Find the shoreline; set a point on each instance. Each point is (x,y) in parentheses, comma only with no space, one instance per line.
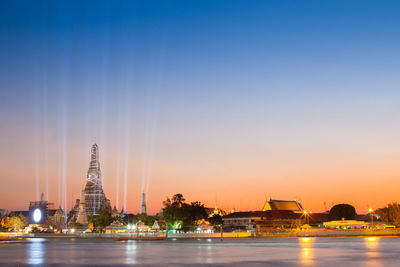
(240,235)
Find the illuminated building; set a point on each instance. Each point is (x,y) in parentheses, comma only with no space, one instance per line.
(92,196)
(39,211)
(95,198)
(346,224)
(115,227)
(159,226)
(215,211)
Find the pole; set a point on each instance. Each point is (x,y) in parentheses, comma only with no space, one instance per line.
(372,220)
(222,234)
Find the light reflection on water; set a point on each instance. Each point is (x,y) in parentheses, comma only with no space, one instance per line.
(372,253)
(130,252)
(36,251)
(306,254)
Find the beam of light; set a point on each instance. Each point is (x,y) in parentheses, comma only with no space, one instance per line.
(64,73)
(127,133)
(153,107)
(59,175)
(35,61)
(119,137)
(45,139)
(126,166)
(117,182)
(64,153)
(36,144)
(62,160)
(105,83)
(151,150)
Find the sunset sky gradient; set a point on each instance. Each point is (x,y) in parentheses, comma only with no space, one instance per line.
(227,102)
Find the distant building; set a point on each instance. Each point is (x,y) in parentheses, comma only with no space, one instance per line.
(346,224)
(250,220)
(243,218)
(143,204)
(115,227)
(142,227)
(275,214)
(159,226)
(115,212)
(215,211)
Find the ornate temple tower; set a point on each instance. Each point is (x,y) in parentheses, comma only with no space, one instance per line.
(59,219)
(94,198)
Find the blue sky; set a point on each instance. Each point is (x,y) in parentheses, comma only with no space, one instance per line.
(223,86)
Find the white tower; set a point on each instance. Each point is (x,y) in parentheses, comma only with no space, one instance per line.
(143,204)
(82,217)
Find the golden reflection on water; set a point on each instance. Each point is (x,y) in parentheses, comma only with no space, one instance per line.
(372,242)
(372,245)
(307,250)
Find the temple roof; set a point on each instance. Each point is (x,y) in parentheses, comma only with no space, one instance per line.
(275,204)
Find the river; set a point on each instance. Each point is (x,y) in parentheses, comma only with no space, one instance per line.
(338,252)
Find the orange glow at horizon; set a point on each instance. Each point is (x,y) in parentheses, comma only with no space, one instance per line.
(242,181)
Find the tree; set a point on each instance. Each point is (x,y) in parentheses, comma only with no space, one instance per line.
(101,220)
(104,219)
(146,219)
(173,212)
(76,225)
(215,220)
(390,214)
(179,214)
(16,222)
(339,211)
(195,212)
(178,200)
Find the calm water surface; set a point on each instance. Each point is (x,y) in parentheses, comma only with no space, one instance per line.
(363,251)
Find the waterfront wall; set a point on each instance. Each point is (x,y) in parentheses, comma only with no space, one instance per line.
(267,234)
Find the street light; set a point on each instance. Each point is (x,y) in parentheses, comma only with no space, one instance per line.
(370,210)
(305,215)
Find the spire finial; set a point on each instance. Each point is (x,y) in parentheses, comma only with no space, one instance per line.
(95,140)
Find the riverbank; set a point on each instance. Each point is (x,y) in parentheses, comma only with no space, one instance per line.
(331,233)
(162,236)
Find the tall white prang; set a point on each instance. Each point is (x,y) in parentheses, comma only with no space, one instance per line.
(143,204)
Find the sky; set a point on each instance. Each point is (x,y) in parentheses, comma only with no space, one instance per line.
(227,102)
